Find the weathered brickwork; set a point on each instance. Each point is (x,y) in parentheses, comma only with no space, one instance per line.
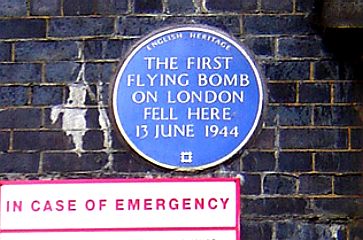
(303,174)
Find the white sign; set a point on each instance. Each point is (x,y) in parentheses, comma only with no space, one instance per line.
(131,209)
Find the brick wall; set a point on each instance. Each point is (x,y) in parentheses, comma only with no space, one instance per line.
(303,175)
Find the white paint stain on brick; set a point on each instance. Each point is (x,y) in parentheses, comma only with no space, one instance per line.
(277,147)
(74,115)
(105,124)
(334,229)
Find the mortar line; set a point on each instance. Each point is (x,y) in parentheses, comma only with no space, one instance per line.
(28,7)
(312,72)
(274,231)
(47,28)
(41,162)
(62,8)
(313,162)
(333,185)
(277,147)
(42,73)
(131,6)
(349,138)
(241,26)
(297,96)
(332,92)
(276,47)
(294,10)
(11,139)
(259,5)
(12,52)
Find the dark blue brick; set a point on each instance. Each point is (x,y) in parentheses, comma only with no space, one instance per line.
(307,231)
(5,51)
(20,73)
(339,162)
(294,70)
(135,26)
(274,206)
(344,92)
(93,140)
(339,207)
(295,162)
(350,69)
(289,116)
(81,26)
(124,162)
(104,93)
(356,230)
(313,138)
(181,6)
(11,8)
(13,96)
(264,140)
(106,49)
(71,162)
(62,72)
(47,95)
(256,230)
(78,7)
(261,46)
(4,141)
(227,23)
(277,6)
(315,184)
(111,7)
(45,7)
(232,165)
(42,140)
(22,28)
(232,5)
(305,5)
(326,70)
(117,143)
(337,116)
(300,47)
(92,118)
(47,120)
(91,100)
(148,6)
(348,92)
(19,162)
(282,93)
(20,118)
(100,72)
(279,184)
(259,161)
(314,93)
(46,51)
(348,185)
(252,184)
(276,24)
(357,138)
(91,92)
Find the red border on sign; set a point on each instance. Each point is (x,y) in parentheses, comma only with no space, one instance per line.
(117,180)
(137,180)
(120,229)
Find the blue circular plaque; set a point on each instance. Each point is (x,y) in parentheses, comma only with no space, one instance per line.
(187,97)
